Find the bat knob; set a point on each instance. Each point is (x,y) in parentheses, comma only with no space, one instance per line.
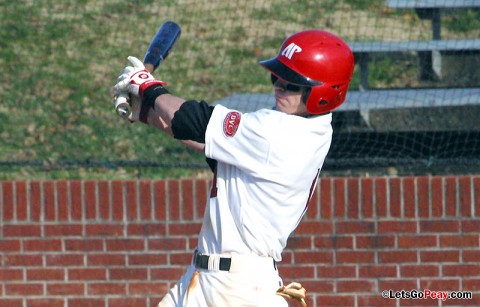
(122,107)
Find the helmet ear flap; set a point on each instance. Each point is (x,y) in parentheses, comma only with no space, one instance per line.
(322,99)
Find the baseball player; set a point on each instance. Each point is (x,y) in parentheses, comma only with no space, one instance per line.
(265,163)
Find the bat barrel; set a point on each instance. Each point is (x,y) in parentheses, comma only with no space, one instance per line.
(161,44)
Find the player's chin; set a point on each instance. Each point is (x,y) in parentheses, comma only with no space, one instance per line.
(279,106)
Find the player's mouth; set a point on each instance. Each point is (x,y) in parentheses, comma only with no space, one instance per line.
(279,98)
(280,103)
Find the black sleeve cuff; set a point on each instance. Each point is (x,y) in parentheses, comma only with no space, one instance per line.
(151,93)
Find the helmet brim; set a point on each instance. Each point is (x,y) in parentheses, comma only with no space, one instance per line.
(286,73)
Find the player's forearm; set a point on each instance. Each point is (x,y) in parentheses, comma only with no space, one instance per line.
(156,121)
(165,108)
(166,105)
(194,145)
(161,116)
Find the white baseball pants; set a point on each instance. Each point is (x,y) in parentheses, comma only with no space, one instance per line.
(251,281)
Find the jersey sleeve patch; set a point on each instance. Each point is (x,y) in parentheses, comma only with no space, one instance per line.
(231,123)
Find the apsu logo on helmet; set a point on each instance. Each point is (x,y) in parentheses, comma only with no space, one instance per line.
(231,123)
(290,50)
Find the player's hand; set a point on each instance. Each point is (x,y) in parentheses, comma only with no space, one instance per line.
(129,89)
(128,106)
(293,292)
(135,79)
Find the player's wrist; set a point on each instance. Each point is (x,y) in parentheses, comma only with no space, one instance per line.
(152,92)
(148,84)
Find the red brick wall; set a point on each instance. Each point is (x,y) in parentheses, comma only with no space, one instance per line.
(124,243)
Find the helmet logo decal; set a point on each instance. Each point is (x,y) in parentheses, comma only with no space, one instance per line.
(290,50)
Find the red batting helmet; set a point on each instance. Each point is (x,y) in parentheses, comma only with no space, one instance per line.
(319,60)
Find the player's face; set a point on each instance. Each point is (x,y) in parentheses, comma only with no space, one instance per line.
(288,97)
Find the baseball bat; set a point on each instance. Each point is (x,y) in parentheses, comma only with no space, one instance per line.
(161,44)
(158,50)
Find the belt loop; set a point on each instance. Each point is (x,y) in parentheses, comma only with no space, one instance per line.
(195,254)
(214,263)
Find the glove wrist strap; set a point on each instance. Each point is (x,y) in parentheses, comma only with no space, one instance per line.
(149,95)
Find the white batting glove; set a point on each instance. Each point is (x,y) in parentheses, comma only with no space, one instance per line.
(129,91)
(127,106)
(135,80)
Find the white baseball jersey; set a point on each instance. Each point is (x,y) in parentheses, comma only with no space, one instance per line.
(267,166)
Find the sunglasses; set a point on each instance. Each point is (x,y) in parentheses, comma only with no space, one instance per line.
(288,86)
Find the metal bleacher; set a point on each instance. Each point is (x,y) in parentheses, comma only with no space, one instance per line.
(363,50)
(429,51)
(369,108)
(368,100)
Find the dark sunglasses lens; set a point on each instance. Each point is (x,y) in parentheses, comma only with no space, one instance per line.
(293,88)
(289,87)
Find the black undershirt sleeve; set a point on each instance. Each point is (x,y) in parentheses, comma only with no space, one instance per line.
(191,120)
(190,123)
